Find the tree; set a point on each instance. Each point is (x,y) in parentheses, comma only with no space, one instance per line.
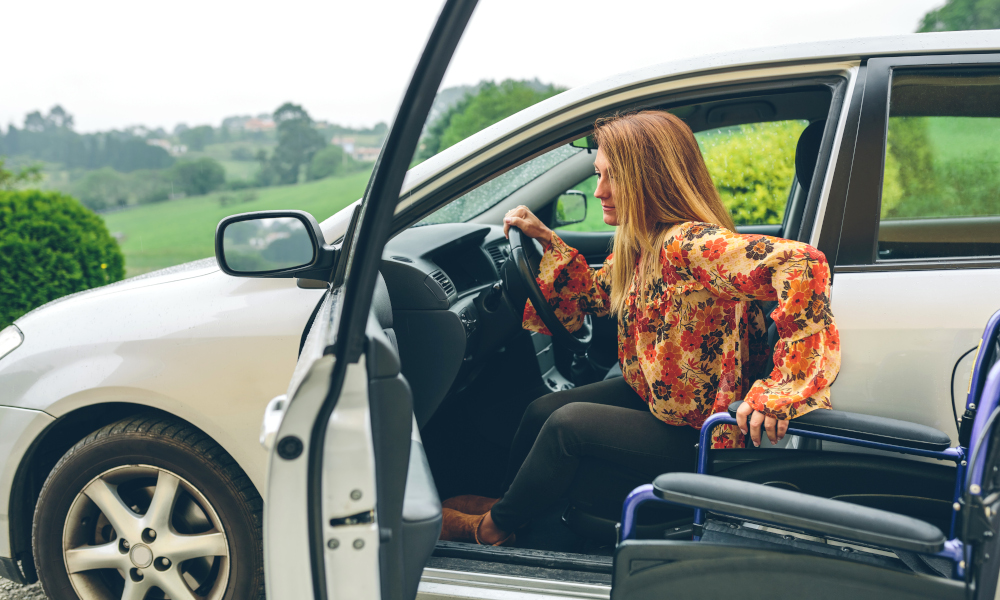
(490,104)
(961,15)
(298,141)
(102,189)
(198,177)
(51,138)
(331,161)
(50,246)
(196,138)
(10,180)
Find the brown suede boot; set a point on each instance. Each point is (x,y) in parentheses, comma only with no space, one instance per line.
(460,527)
(470,505)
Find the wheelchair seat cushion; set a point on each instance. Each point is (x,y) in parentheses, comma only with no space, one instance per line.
(869,428)
(799,511)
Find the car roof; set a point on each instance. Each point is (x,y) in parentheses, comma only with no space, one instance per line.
(818,52)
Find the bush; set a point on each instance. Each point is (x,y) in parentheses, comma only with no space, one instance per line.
(752,166)
(102,189)
(198,177)
(241,198)
(51,246)
(106,188)
(242,153)
(330,161)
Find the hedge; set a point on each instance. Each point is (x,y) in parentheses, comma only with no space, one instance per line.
(752,166)
(50,246)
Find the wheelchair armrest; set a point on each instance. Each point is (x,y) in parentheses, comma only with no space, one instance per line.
(799,511)
(867,427)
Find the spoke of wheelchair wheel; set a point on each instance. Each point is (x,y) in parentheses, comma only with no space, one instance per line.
(107,499)
(164,496)
(135,590)
(86,558)
(172,582)
(185,547)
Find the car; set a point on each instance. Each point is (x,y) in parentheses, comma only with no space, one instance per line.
(419,340)
(162,380)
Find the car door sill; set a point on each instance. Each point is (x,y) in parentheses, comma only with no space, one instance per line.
(441,584)
(545,559)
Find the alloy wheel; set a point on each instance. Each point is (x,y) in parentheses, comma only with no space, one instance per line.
(137,532)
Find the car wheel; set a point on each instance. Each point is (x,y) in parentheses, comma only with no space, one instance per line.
(149,507)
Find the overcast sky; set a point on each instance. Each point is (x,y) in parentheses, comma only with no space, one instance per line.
(115,63)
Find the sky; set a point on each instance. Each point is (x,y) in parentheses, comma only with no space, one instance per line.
(116,63)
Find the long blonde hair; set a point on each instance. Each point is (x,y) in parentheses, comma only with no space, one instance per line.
(659,179)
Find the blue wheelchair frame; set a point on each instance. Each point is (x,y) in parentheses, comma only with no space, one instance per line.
(984,394)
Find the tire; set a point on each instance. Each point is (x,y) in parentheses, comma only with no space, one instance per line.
(139,505)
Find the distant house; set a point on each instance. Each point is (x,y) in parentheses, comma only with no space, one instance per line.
(258,124)
(172,149)
(347,143)
(365,154)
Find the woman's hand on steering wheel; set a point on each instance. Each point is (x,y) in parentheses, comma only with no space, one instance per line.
(775,428)
(530,225)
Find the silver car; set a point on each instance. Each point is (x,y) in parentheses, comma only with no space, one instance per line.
(130,423)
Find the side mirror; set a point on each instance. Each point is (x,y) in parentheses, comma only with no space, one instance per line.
(274,243)
(588,143)
(571,207)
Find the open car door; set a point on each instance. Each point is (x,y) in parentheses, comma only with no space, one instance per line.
(345,457)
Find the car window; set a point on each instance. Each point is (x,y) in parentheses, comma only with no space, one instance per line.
(752,166)
(484,197)
(594,220)
(941,174)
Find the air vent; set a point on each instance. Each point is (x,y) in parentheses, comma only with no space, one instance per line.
(498,254)
(440,277)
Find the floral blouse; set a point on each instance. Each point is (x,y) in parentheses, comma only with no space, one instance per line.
(700,341)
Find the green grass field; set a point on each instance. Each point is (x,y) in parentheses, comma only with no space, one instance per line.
(958,138)
(161,235)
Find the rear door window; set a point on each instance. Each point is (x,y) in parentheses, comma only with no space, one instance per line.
(941,175)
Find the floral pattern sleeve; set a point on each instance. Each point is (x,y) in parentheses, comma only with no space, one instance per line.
(756,267)
(572,288)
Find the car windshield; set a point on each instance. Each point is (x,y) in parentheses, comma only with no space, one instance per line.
(484,197)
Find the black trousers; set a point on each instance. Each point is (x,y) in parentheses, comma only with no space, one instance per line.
(606,421)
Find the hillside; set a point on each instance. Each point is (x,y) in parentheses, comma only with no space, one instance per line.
(154,236)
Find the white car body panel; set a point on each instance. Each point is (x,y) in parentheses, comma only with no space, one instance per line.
(18,428)
(441,584)
(901,333)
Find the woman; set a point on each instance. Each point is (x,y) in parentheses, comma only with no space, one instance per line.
(682,285)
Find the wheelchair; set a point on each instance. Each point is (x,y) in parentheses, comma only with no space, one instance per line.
(762,541)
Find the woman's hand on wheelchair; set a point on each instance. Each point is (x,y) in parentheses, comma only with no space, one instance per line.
(775,428)
(530,225)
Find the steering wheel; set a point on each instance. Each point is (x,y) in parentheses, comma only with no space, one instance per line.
(526,255)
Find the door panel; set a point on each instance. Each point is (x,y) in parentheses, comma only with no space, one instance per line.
(901,333)
(363,409)
(421,523)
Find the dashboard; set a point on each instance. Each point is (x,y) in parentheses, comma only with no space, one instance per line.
(449,314)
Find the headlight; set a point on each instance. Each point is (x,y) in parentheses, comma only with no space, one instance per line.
(10,338)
